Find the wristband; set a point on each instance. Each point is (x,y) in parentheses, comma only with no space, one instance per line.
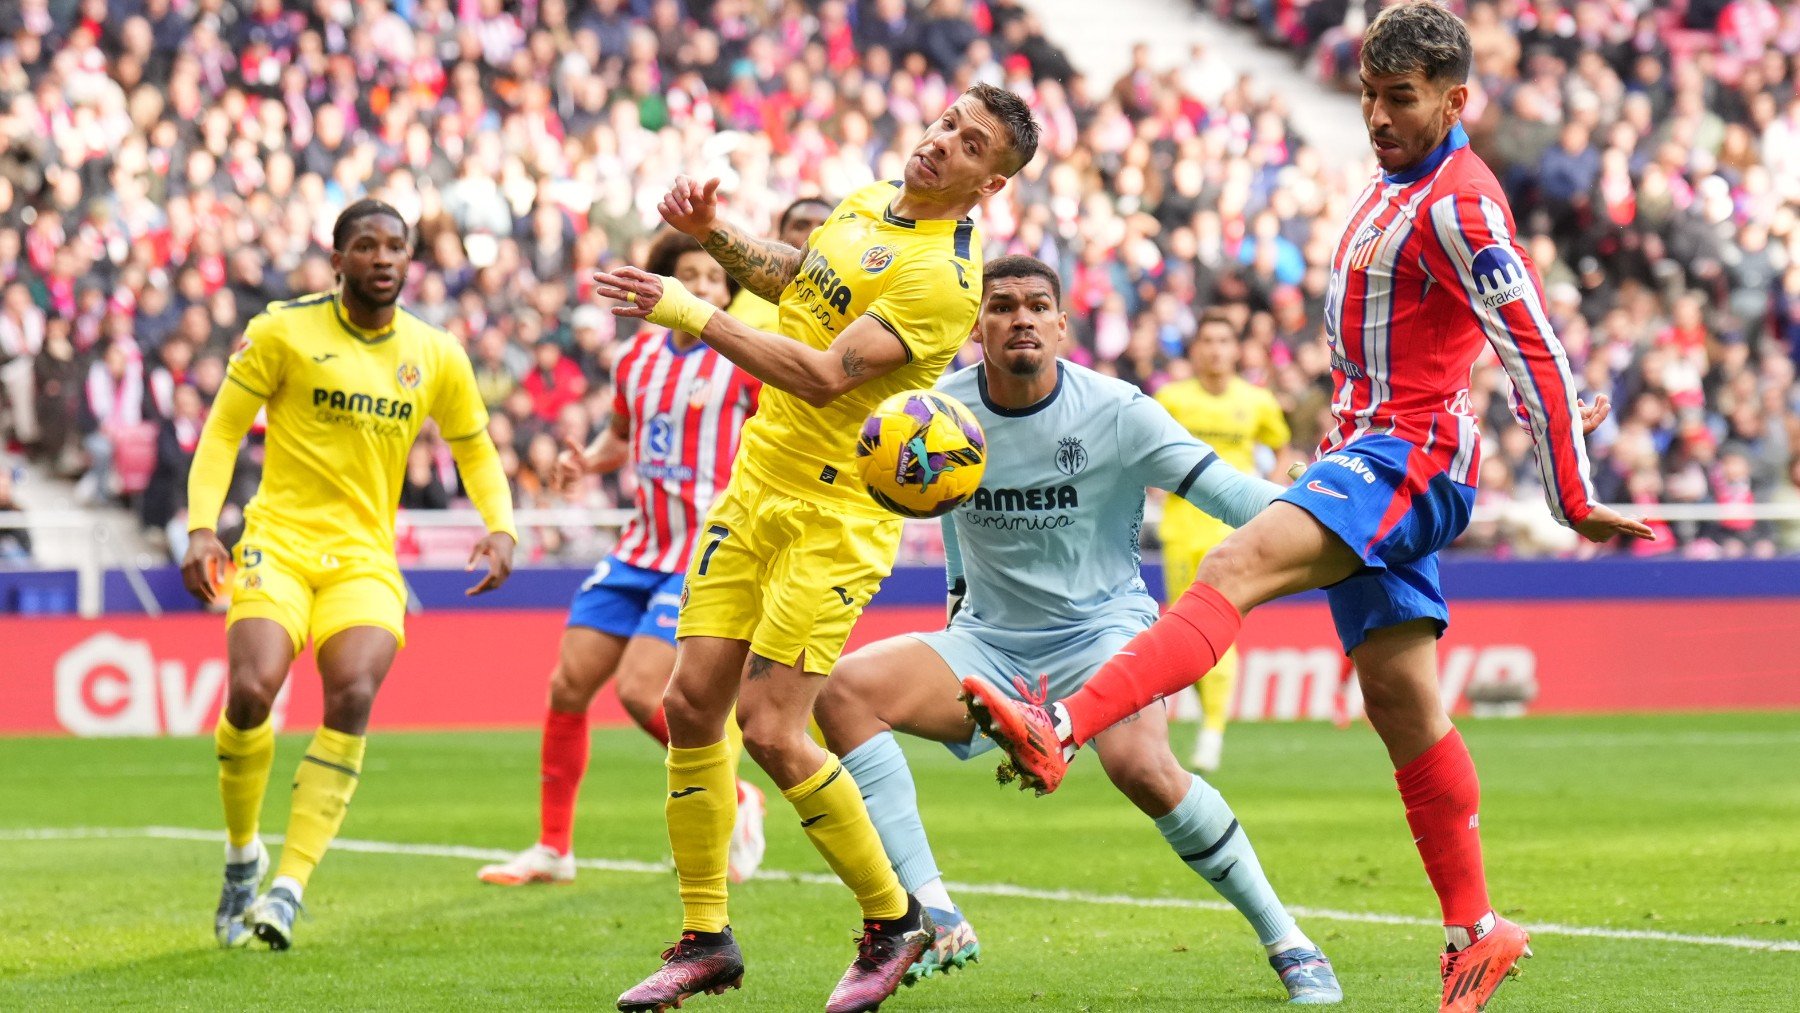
(681,310)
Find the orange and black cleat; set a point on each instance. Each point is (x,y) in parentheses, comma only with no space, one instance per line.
(1024,729)
(1472,974)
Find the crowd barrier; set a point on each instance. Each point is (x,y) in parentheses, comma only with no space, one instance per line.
(1534,637)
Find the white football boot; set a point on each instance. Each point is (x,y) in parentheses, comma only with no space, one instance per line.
(536,864)
(747,842)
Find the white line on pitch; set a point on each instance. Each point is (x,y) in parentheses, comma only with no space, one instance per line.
(983,889)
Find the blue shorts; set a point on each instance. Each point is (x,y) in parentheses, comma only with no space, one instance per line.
(1068,656)
(1395,508)
(628,601)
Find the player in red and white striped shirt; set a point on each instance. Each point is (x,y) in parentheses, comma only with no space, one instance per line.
(1427,272)
(677,409)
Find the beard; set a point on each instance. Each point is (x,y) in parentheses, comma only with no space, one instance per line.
(1024,364)
(369,298)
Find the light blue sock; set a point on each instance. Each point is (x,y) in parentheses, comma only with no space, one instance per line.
(887,788)
(1206,835)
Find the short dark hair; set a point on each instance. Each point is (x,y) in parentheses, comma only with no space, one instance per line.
(1418,35)
(1218,315)
(1017,265)
(1015,115)
(788,215)
(667,249)
(368,207)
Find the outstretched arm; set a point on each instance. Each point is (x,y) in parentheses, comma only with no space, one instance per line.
(865,349)
(763,266)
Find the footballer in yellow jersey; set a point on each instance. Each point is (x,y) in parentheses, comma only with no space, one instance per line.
(879,300)
(347,379)
(1235,417)
(793,228)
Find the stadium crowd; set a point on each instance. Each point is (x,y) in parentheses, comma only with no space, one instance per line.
(167,167)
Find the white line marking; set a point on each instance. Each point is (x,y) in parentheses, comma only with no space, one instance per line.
(815,878)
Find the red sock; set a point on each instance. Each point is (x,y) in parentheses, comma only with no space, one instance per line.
(1442,796)
(1174,652)
(658,727)
(564,760)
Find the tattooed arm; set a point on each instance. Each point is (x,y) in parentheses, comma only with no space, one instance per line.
(764,266)
(866,348)
(863,351)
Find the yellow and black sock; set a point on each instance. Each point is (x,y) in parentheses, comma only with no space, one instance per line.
(1215,691)
(834,817)
(701,810)
(245,755)
(322,788)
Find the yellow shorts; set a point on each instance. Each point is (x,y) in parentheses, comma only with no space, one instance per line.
(787,575)
(312,592)
(1181,558)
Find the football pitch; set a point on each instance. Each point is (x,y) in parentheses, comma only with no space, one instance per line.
(1657,860)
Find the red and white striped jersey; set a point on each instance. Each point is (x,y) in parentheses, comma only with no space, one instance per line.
(1427,270)
(685,410)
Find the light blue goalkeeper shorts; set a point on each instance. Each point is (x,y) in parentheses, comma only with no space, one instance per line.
(1067,656)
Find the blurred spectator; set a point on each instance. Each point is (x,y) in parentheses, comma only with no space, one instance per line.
(15,543)
(164,503)
(164,177)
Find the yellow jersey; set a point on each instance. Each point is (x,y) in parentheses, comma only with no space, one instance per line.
(754,310)
(1233,423)
(919,279)
(344,407)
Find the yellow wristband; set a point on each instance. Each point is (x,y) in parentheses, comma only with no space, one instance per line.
(681,310)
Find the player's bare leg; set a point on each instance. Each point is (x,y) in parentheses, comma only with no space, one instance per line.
(1282,551)
(585,659)
(901,685)
(1205,834)
(774,705)
(701,808)
(259,653)
(1437,781)
(352,665)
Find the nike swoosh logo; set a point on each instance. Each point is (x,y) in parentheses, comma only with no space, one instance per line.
(1220,878)
(685,792)
(815,819)
(1314,486)
(327,357)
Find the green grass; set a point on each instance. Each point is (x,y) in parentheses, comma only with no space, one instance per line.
(1682,824)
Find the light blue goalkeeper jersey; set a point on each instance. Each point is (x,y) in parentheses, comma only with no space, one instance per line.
(1050,539)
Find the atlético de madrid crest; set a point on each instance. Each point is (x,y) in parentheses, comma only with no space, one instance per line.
(1362,248)
(877,258)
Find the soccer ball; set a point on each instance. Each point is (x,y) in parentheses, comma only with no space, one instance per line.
(921,453)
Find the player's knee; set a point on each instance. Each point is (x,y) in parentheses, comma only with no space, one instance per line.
(250,693)
(770,740)
(348,703)
(1230,564)
(640,693)
(569,691)
(689,715)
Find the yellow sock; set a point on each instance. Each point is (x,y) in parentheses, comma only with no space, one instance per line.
(701,810)
(322,789)
(1215,691)
(245,755)
(833,815)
